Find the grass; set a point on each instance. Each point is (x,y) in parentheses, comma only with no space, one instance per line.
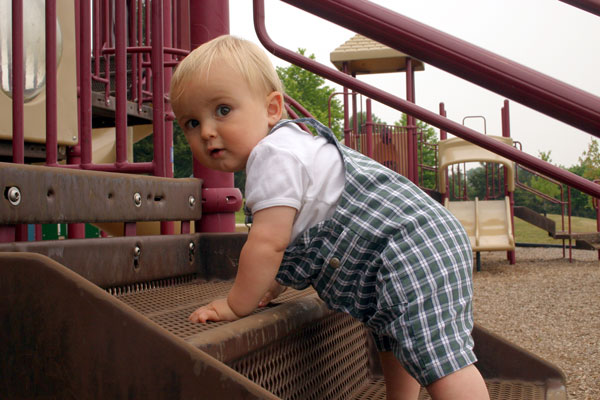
(527,233)
(240,218)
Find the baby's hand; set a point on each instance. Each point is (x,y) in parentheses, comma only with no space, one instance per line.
(274,290)
(217,310)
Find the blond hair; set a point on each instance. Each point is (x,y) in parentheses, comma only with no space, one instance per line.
(243,56)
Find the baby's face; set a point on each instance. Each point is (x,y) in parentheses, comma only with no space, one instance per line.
(223,119)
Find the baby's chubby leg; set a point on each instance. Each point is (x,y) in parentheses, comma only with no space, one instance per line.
(464,384)
(399,385)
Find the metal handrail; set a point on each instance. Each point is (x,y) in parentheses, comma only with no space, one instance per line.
(382,31)
(592,6)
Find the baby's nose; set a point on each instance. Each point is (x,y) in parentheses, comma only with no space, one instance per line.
(208,132)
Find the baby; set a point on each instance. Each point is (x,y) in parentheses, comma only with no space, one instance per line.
(369,241)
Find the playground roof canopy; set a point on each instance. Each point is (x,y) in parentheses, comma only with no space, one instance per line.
(366,56)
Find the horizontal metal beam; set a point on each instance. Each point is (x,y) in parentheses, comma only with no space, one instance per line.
(38,194)
(130,260)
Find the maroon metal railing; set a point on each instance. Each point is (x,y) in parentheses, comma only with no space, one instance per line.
(592,6)
(571,105)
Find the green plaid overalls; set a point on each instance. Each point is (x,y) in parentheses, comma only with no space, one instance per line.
(395,259)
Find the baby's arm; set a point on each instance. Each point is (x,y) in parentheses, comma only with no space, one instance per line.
(259,262)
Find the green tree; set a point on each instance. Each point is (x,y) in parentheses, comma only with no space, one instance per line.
(546,186)
(310,91)
(581,205)
(182,155)
(589,166)
(590,161)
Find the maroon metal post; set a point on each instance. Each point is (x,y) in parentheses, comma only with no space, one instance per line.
(444,136)
(85,83)
(74,154)
(597,205)
(167,227)
(19,232)
(443,133)
(511,255)
(168,43)
(161,163)
(120,82)
(347,129)
(410,124)
(18,83)
(129,229)
(133,41)
(355,126)
(51,84)
(369,126)
(570,225)
(8,232)
(204,27)
(158,104)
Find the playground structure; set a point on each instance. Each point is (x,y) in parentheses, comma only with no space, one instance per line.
(489,223)
(106,317)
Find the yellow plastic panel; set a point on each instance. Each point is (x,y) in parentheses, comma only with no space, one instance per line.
(35,109)
(487,223)
(457,150)
(464,211)
(495,225)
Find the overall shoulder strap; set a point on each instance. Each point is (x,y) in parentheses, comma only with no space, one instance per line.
(321,129)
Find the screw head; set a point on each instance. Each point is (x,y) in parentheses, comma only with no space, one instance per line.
(14,196)
(137,251)
(137,199)
(192,201)
(192,246)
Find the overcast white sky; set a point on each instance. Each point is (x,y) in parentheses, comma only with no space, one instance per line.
(547,35)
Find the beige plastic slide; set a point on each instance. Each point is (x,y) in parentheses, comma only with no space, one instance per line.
(488,223)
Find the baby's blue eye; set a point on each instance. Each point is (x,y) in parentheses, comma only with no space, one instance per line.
(192,123)
(223,110)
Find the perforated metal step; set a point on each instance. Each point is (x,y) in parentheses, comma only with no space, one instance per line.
(327,359)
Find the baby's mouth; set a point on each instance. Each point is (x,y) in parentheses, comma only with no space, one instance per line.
(215,153)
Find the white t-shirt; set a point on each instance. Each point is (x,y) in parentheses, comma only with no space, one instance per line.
(292,168)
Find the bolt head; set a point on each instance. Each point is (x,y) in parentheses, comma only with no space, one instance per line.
(192,201)
(14,196)
(137,199)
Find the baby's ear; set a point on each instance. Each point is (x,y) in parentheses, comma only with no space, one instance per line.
(274,107)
